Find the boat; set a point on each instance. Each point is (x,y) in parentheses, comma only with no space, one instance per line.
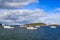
(37,26)
(31,28)
(21,26)
(53,26)
(8,27)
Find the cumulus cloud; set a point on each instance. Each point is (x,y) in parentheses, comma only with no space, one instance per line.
(53,17)
(15,3)
(22,16)
(58,9)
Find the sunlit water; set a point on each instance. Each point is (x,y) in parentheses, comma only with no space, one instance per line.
(21,33)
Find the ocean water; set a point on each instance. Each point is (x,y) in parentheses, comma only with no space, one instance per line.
(20,33)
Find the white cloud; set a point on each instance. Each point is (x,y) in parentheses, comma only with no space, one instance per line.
(23,16)
(58,9)
(16,3)
(53,17)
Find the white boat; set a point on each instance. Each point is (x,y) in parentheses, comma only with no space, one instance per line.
(21,26)
(37,26)
(8,27)
(53,26)
(31,28)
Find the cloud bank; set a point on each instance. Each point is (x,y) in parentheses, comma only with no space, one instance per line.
(54,17)
(24,16)
(8,4)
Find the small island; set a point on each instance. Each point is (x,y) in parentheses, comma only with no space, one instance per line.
(53,25)
(35,24)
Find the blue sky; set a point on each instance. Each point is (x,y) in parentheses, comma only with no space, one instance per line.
(28,11)
(47,5)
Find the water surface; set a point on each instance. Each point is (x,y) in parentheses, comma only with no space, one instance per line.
(20,33)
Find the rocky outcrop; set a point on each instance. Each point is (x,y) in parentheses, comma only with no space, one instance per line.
(1,25)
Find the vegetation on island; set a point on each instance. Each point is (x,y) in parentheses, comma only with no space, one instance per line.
(53,24)
(35,24)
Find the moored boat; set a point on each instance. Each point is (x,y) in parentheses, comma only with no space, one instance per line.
(31,28)
(37,26)
(53,26)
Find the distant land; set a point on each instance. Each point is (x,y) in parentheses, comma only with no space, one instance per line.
(39,24)
(33,24)
(53,24)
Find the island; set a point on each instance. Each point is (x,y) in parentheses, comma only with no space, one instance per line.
(35,24)
(53,25)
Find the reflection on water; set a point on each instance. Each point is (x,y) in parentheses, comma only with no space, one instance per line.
(20,33)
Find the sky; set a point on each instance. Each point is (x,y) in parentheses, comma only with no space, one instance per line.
(16,12)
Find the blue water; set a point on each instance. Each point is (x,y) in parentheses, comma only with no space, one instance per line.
(20,33)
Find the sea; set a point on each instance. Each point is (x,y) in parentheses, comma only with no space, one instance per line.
(21,33)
